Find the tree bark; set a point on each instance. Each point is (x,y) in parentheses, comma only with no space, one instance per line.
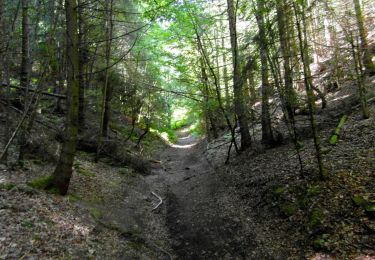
(107,92)
(267,135)
(24,74)
(304,52)
(63,171)
(82,64)
(365,51)
(207,109)
(239,106)
(283,24)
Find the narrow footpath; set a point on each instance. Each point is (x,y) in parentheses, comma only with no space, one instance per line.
(196,219)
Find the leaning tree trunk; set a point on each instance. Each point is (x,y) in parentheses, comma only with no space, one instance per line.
(61,177)
(239,106)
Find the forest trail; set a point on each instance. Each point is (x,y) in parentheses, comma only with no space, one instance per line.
(196,219)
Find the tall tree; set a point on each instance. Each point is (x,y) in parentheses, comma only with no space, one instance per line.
(267,135)
(283,24)
(82,62)
(107,90)
(299,9)
(239,105)
(366,53)
(61,176)
(24,73)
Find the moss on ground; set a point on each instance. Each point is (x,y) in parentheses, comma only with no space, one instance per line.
(7,186)
(95,212)
(84,171)
(317,217)
(40,183)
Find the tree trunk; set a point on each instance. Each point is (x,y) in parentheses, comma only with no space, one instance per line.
(225,77)
(365,51)
(239,106)
(208,111)
(360,78)
(304,52)
(2,40)
(267,135)
(283,17)
(63,172)
(217,90)
(107,92)
(82,64)
(24,74)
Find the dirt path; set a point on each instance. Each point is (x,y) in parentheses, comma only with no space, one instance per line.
(196,217)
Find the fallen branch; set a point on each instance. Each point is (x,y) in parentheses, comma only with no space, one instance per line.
(335,136)
(161,250)
(155,161)
(160,200)
(35,90)
(22,120)
(36,120)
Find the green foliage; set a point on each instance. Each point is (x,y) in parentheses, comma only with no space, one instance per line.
(314,190)
(96,213)
(27,224)
(83,171)
(41,183)
(171,135)
(74,197)
(321,243)
(279,191)
(7,186)
(365,203)
(317,217)
(289,209)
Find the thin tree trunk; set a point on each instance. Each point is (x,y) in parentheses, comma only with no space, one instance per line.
(304,52)
(24,74)
(239,106)
(2,41)
(63,171)
(207,108)
(107,85)
(360,79)
(267,135)
(107,92)
(225,76)
(232,129)
(283,16)
(82,64)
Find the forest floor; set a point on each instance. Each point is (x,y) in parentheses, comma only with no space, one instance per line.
(258,207)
